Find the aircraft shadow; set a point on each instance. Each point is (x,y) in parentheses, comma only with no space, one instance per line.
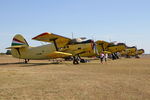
(29,64)
(38,64)
(11,63)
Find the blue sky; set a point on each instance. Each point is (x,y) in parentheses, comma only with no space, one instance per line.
(111,20)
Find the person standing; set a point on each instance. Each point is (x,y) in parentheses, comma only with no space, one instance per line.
(102,57)
(106,56)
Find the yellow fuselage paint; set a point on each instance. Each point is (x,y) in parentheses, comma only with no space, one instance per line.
(35,53)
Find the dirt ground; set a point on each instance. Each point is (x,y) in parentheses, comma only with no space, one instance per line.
(123,79)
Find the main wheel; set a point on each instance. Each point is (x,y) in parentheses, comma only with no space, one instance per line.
(75,60)
(26,61)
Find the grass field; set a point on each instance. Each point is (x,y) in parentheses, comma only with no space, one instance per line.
(123,79)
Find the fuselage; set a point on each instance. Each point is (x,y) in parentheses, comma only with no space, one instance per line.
(43,52)
(34,53)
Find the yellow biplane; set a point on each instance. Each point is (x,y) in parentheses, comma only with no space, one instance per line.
(104,47)
(132,52)
(140,51)
(58,47)
(110,48)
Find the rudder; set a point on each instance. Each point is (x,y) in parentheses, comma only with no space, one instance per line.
(19,40)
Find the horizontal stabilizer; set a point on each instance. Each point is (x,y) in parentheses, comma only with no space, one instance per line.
(57,54)
(14,47)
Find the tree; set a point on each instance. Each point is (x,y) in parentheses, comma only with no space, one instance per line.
(8,52)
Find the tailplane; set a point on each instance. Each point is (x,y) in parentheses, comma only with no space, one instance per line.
(18,45)
(18,42)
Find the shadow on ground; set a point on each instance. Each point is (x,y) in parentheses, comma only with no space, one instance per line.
(29,64)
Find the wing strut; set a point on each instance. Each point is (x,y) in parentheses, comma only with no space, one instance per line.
(103,47)
(54,40)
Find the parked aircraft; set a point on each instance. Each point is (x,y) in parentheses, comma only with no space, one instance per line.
(104,47)
(110,48)
(132,52)
(140,51)
(59,47)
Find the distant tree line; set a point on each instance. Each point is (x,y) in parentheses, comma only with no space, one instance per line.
(8,52)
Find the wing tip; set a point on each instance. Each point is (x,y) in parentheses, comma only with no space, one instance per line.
(45,33)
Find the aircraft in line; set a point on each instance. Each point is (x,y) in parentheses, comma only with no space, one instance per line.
(110,48)
(104,47)
(58,47)
(132,52)
(63,47)
(140,51)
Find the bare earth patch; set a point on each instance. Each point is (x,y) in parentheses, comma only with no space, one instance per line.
(123,79)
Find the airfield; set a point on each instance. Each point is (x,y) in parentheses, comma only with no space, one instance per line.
(123,79)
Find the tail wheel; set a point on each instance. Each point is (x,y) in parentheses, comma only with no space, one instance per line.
(26,61)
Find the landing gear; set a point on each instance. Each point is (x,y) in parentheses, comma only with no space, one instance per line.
(75,60)
(26,61)
(136,56)
(115,56)
(80,59)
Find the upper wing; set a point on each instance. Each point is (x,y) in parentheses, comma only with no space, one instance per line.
(103,44)
(49,37)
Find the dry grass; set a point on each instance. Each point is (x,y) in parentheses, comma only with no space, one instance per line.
(124,79)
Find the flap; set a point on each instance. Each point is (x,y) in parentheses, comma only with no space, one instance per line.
(50,37)
(57,54)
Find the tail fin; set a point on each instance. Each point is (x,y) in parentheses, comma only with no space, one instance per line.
(19,40)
